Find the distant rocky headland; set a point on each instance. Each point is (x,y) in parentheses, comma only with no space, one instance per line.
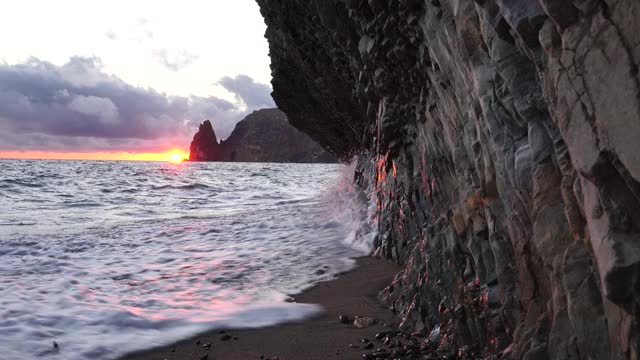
(263,136)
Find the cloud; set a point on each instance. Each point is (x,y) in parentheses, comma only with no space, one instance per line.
(174,62)
(93,106)
(79,107)
(252,94)
(111,35)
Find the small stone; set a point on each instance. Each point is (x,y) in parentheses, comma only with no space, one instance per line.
(197,342)
(368,346)
(380,335)
(55,345)
(354,346)
(344,319)
(364,340)
(235,338)
(225,337)
(363,322)
(320,272)
(173,350)
(207,346)
(204,357)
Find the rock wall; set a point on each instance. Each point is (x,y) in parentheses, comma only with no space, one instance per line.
(263,136)
(498,138)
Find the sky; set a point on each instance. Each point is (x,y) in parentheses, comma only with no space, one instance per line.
(136,76)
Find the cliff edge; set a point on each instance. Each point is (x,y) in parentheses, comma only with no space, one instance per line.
(499,140)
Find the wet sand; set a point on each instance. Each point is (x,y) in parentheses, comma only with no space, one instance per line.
(324,337)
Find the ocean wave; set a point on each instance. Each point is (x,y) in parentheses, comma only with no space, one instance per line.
(18,223)
(21,182)
(109,256)
(81,203)
(194,186)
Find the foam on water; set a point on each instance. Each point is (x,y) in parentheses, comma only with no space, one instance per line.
(109,257)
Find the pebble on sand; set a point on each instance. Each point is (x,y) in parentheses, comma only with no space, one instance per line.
(363,322)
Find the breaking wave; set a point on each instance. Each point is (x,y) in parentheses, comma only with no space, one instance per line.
(93,254)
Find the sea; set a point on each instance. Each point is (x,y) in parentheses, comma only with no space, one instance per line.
(109,257)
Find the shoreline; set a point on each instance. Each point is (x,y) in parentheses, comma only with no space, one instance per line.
(322,337)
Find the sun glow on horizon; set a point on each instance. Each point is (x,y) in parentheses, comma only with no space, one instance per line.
(174,155)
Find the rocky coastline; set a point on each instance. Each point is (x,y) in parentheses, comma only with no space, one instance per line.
(498,139)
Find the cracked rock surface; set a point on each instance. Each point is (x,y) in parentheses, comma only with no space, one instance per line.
(500,140)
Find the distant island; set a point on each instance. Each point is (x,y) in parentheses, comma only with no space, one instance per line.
(263,136)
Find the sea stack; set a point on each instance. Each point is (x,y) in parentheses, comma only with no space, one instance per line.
(204,146)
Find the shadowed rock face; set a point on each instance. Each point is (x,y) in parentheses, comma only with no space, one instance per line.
(204,146)
(263,136)
(499,139)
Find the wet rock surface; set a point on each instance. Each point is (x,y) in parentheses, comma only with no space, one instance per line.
(498,138)
(263,136)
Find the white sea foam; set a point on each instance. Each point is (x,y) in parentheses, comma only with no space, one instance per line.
(110,257)
(352,208)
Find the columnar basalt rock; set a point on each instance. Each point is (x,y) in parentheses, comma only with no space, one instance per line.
(499,140)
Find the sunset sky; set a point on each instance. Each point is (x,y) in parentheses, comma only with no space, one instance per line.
(122,78)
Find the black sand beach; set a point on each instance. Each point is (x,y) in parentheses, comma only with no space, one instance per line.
(324,337)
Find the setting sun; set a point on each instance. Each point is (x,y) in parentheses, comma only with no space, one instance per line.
(177,157)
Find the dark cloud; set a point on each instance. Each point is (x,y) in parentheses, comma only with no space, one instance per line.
(251,93)
(79,107)
(173,62)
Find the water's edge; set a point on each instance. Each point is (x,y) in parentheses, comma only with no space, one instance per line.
(93,254)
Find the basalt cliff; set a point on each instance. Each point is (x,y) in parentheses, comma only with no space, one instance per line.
(263,136)
(499,139)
